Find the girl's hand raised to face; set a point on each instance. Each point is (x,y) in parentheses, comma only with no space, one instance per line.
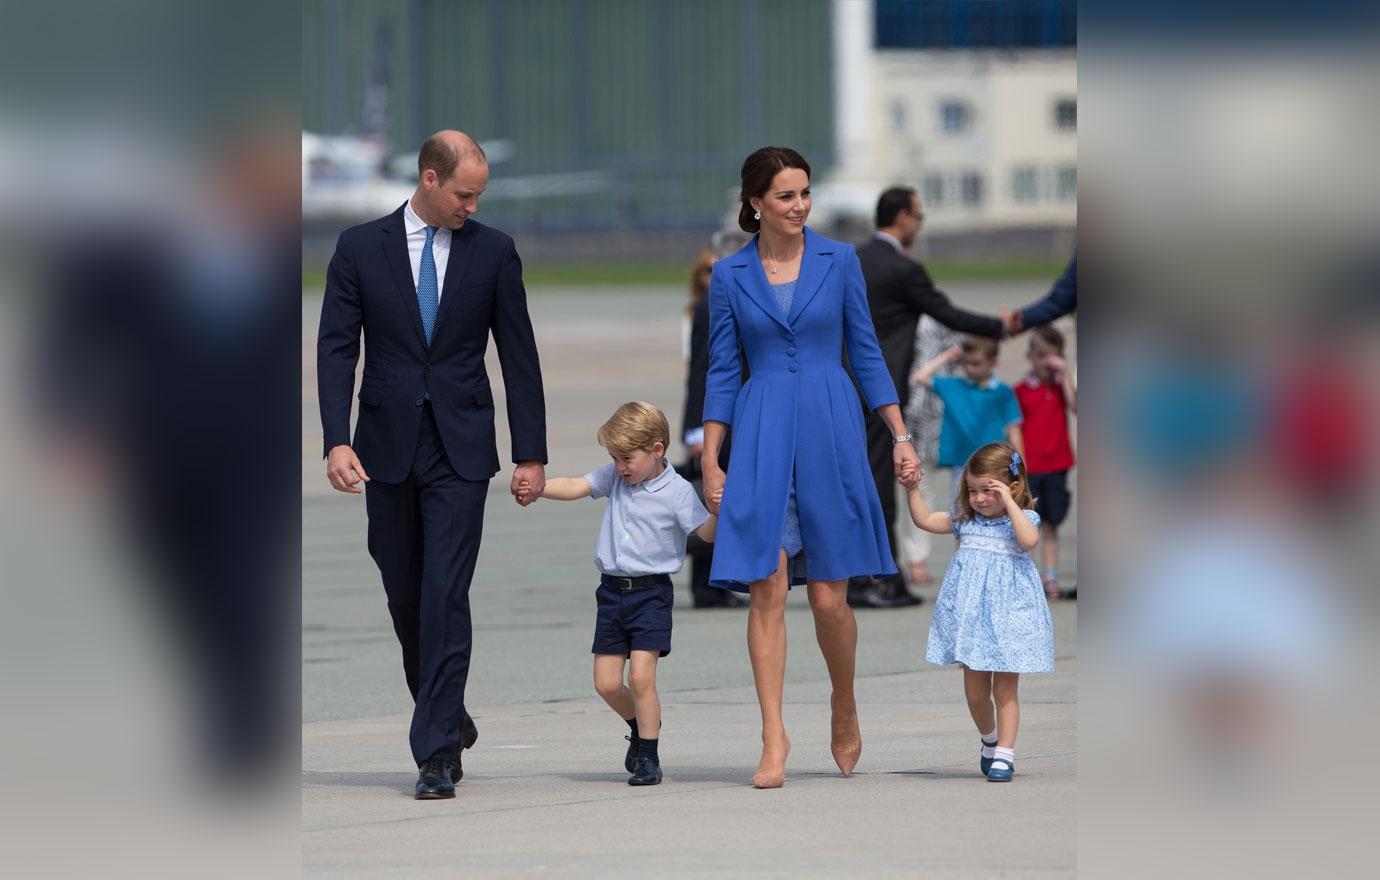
(1001,489)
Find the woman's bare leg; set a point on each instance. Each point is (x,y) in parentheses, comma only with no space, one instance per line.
(766,637)
(837,634)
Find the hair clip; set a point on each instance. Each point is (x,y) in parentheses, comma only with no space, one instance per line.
(1015,465)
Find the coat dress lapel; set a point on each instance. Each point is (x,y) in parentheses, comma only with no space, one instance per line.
(747,271)
(815,264)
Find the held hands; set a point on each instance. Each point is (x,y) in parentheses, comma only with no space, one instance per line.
(529,479)
(1012,322)
(907,464)
(344,470)
(713,488)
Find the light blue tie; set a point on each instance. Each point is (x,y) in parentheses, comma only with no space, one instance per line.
(427,294)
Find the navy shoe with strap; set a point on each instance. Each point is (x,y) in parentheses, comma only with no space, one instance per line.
(1001,770)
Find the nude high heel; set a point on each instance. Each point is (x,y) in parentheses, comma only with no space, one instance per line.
(845,741)
(774,776)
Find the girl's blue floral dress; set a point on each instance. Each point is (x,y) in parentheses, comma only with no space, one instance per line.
(991,614)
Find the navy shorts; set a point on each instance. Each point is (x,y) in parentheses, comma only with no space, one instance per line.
(637,619)
(1051,493)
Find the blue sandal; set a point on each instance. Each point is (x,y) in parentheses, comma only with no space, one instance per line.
(1001,770)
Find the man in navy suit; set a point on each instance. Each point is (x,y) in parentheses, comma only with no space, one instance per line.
(427,285)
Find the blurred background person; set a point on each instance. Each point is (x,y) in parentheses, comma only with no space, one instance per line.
(701,552)
(1047,395)
(899,292)
(924,415)
(153,331)
(978,407)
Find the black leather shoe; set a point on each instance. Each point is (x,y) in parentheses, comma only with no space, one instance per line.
(434,781)
(468,734)
(894,590)
(645,772)
(866,594)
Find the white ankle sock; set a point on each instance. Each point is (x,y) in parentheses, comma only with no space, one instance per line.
(1003,754)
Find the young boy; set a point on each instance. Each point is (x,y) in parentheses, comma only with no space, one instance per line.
(1046,395)
(651,513)
(978,408)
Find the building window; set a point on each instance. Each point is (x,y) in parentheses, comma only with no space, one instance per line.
(972,188)
(974,24)
(1066,114)
(934,189)
(1066,183)
(898,116)
(1025,184)
(954,117)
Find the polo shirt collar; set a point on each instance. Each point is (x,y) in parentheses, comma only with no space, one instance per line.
(661,480)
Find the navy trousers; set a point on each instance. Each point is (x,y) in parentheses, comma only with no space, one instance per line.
(424,535)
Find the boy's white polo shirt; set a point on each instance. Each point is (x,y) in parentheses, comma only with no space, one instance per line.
(645,527)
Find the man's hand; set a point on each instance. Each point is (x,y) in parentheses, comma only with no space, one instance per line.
(344,470)
(529,479)
(1012,322)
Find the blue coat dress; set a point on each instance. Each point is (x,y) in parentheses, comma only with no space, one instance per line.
(797,418)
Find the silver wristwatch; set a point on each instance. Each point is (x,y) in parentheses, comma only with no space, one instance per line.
(903,438)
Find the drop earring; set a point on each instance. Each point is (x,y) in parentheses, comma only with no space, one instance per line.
(757,215)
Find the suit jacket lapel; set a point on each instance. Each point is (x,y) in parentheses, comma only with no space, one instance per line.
(815,263)
(460,249)
(747,269)
(395,249)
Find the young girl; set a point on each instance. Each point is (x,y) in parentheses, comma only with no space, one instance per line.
(991,615)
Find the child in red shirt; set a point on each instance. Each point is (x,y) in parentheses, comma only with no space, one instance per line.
(1046,395)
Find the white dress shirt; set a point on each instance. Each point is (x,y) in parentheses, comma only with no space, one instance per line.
(416,241)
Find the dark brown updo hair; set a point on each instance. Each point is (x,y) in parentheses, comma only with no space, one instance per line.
(759,170)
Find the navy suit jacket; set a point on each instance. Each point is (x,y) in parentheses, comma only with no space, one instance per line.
(369,288)
(1062,299)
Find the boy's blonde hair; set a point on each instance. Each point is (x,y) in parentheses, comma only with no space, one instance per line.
(633,426)
(994,462)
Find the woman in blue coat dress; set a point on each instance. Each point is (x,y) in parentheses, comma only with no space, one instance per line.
(799,502)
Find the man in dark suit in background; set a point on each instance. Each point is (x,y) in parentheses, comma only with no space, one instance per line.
(899,291)
(701,553)
(427,285)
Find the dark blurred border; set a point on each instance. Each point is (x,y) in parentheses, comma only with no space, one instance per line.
(150,227)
